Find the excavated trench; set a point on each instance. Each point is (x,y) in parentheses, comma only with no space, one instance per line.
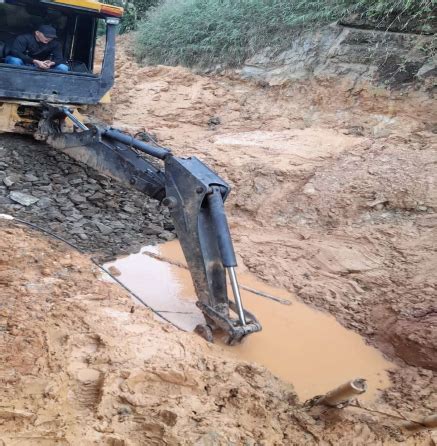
(307,348)
(303,346)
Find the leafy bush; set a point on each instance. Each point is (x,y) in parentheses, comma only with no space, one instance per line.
(206,32)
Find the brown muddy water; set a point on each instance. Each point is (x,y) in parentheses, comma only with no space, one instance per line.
(302,346)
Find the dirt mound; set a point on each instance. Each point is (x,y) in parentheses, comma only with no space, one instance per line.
(80,363)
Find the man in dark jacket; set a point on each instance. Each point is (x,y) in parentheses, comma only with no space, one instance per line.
(40,49)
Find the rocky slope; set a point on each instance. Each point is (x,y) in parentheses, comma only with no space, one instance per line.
(93,212)
(396,60)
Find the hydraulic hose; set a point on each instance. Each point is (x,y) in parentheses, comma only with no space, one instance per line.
(156,152)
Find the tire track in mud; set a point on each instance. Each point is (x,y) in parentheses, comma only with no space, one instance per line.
(89,382)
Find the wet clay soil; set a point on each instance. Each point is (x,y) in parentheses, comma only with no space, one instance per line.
(334,199)
(80,367)
(302,346)
(334,194)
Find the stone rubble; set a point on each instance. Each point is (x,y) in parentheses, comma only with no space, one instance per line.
(91,211)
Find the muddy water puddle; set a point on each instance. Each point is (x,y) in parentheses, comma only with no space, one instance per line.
(303,346)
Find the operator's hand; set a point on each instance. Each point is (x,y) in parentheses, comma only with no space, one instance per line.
(41,64)
(49,63)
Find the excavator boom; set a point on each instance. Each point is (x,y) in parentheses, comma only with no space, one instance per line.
(193,193)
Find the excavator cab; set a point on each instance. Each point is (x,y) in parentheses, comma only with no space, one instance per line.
(44,103)
(78,24)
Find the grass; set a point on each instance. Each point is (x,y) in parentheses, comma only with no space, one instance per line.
(227,32)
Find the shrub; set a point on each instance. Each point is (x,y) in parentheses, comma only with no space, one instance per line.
(208,32)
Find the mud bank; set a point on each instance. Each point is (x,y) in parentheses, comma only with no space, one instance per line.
(80,365)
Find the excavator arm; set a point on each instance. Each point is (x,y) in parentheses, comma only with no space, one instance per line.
(195,196)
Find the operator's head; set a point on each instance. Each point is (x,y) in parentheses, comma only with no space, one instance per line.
(45,34)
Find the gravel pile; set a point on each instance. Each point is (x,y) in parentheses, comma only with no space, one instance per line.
(45,187)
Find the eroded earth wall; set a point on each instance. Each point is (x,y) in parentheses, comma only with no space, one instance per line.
(389,59)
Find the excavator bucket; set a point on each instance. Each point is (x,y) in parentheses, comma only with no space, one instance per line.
(195,196)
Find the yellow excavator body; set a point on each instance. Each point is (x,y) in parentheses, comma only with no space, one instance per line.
(78,22)
(92,5)
(20,117)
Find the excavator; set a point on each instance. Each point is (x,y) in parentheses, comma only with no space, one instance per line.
(49,105)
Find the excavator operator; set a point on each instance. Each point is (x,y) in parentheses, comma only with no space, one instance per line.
(40,49)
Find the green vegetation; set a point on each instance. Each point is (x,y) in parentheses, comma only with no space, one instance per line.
(208,32)
(134,12)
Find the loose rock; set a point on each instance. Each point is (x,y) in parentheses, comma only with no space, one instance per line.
(24,199)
